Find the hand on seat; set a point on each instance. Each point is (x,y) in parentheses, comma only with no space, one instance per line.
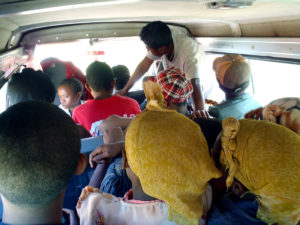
(105,152)
(255,114)
(199,114)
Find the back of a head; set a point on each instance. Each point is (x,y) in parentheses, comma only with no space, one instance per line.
(30,85)
(99,76)
(232,72)
(73,83)
(39,151)
(55,69)
(169,154)
(176,88)
(121,75)
(265,158)
(156,34)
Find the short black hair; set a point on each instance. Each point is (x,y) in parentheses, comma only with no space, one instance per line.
(211,128)
(30,85)
(121,75)
(39,152)
(99,76)
(156,34)
(73,83)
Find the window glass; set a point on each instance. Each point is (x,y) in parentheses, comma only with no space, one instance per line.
(273,80)
(269,81)
(125,51)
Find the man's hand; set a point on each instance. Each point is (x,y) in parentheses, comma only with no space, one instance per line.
(114,121)
(255,114)
(199,114)
(122,92)
(105,151)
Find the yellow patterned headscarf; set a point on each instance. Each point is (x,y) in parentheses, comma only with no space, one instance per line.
(169,154)
(153,95)
(265,158)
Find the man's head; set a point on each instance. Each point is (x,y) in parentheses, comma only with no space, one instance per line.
(99,76)
(121,75)
(156,36)
(233,73)
(30,85)
(39,152)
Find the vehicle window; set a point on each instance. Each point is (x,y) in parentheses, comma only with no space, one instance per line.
(269,81)
(125,51)
(273,80)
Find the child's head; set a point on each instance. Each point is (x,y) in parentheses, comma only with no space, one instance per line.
(39,152)
(233,73)
(155,35)
(30,85)
(99,77)
(121,75)
(69,92)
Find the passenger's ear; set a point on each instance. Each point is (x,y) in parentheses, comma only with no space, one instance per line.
(79,94)
(82,163)
(162,50)
(87,87)
(112,84)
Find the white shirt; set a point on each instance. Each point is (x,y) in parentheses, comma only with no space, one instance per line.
(106,209)
(68,110)
(95,208)
(190,59)
(188,55)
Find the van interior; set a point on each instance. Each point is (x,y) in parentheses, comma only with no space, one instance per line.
(265,32)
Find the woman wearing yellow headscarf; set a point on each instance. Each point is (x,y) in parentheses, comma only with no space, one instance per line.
(265,158)
(169,154)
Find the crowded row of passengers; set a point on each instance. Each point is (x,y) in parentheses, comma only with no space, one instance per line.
(180,171)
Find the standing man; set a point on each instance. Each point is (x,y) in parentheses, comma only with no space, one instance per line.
(173,48)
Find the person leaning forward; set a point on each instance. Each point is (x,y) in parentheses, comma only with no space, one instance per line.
(174,49)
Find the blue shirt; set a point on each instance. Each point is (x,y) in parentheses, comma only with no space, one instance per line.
(236,107)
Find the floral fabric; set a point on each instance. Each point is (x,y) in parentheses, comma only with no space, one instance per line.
(284,111)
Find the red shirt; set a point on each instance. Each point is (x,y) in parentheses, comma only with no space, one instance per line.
(91,113)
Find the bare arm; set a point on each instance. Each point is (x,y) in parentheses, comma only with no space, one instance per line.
(141,69)
(98,174)
(197,95)
(114,121)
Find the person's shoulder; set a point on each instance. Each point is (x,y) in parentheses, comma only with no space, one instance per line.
(92,196)
(125,99)
(84,106)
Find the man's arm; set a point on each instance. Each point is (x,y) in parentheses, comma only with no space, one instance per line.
(197,95)
(114,121)
(141,69)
